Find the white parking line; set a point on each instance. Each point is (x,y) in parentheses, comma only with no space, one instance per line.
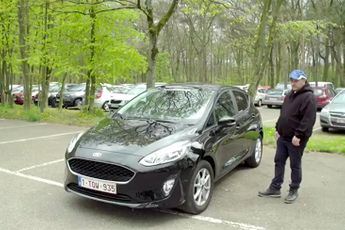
(23,126)
(38,138)
(40,165)
(270,120)
(317,129)
(216,221)
(196,217)
(50,182)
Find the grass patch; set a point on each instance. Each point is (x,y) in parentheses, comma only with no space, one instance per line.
(319,142)
(51,115)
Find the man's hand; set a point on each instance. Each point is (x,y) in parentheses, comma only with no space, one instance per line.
(295,141)
(277,136)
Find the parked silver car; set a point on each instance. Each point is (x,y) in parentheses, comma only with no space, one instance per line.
(275,97)
(333,114)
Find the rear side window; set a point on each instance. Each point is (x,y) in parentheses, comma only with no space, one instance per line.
(241,100)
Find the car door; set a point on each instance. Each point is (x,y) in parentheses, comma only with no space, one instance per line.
(244,119)
(222,143)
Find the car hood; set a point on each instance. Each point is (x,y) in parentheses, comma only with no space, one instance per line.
(134,137)
(336,107)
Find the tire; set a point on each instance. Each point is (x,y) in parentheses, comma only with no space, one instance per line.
(53,103)
(202,170)
(255,158)
(105,106)
(269,106)
(259,103)
(324,129)
(78,102)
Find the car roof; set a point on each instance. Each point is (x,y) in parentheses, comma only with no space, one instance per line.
(214,87)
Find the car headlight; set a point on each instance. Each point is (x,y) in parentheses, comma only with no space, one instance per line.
(73,142)
(324,112)
(171,153)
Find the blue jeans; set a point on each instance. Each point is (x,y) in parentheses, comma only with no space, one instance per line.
(285,150)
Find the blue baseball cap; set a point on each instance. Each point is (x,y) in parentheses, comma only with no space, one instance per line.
(297,75)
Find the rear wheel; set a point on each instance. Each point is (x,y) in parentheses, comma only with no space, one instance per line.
(254,160)
(269,106)
(53,103)
(324,129)
(78,102)
(200,189)
(105,106)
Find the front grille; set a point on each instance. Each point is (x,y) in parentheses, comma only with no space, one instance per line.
(100,170)
(337,115)
(336,123)
(100,195)
(115,101)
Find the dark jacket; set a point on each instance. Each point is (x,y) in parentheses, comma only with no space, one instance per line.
(297,115)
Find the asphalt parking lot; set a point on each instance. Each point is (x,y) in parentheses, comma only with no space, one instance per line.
(32,195)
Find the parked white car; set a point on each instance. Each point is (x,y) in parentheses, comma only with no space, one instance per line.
(104,94)
(121,99)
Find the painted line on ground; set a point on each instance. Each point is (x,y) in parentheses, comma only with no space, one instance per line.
(39,179)
(215,220)
(38,138)
(40,165)
(270,120)
(23,126)
(196,217)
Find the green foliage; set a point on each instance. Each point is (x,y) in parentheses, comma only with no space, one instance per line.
(318,142)
(296,30)
(67,117)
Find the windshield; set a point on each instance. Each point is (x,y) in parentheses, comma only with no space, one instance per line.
(275,92)
(75,88)
(185,105)
(340,98)
(318,92)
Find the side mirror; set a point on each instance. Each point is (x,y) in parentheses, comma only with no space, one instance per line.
(197,147)
(227,121)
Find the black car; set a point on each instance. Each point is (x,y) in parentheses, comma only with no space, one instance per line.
(74,95)
(166,148)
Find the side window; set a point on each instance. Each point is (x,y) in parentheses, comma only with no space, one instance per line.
(224,106)
(241,100)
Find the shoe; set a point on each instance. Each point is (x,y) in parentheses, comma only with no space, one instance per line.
(270,193)
(291,197)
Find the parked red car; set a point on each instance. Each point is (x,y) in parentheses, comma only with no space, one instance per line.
(323,96)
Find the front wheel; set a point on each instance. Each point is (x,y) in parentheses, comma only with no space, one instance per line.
(259,103)
(324,129)
(200,189)
(254,160)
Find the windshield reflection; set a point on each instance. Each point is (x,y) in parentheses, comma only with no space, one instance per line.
(186,105)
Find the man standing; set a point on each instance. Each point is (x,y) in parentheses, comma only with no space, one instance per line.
(293,129)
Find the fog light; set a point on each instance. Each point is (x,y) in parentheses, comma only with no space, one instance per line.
(167,186)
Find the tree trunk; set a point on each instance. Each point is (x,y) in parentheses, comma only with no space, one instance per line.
(153,31)
(46,69)
(23,20)
(91,83)
(62,91)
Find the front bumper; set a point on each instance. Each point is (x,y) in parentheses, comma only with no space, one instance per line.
(334,123)
(143,190)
